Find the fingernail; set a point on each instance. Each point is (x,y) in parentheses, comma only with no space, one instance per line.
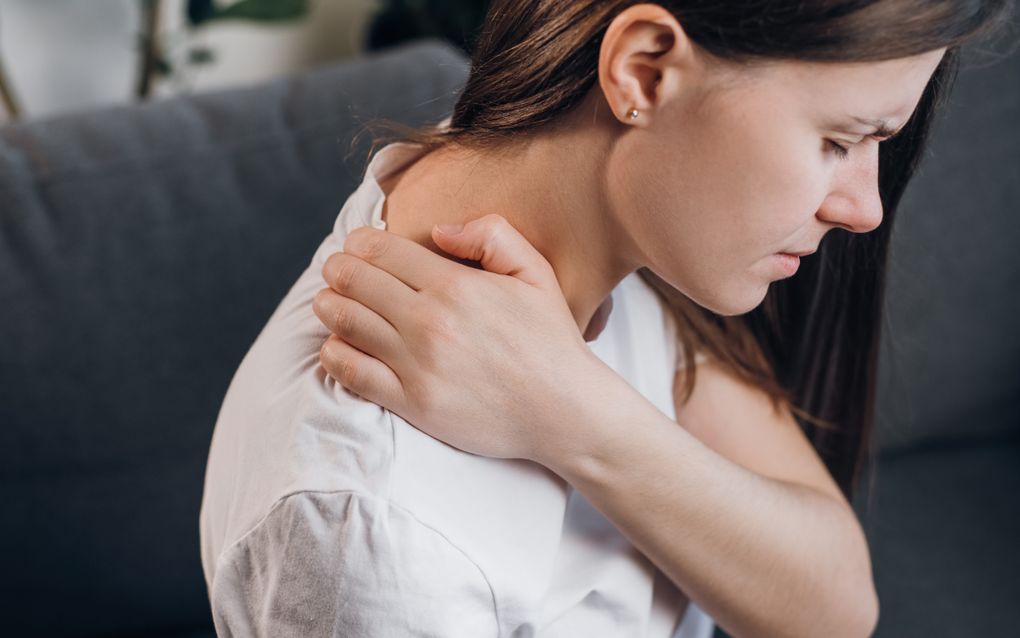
(450,229)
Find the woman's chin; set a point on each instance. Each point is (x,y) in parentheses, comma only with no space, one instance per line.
(739,303)
(724,298)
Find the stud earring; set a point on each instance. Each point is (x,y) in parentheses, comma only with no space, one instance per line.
(633,113)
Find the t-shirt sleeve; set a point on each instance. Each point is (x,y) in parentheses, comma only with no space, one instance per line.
(347,564)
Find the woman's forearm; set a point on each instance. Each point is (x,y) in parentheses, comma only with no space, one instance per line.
(762,557)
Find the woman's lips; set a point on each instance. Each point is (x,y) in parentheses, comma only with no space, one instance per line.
(787,263)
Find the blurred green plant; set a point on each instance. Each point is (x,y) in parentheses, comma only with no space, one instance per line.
(202,11)
(7,98)
(457,21)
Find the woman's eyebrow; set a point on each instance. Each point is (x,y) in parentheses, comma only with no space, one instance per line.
(881,127)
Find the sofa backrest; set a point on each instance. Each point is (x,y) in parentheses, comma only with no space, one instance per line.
(142,249)
(950,357)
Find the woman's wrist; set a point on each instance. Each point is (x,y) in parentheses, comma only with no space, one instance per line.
(598,413)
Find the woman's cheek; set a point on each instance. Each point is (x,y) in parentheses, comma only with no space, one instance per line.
(655,206)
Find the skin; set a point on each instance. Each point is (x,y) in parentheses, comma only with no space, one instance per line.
(723,167)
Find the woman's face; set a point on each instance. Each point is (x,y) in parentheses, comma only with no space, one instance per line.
(716,182)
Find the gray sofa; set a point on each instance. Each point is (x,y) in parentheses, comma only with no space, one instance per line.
(143,247)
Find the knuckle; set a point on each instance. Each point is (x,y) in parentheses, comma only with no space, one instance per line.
(456,286)
(491,242)
(495,220)
(343,320)
(348,371)
(366,242)
(374,246)
(497,226)
(329,266)
(328,355)
(353,235)
(438,326)
(426,398)
(321,301)
(342,368)
(344,275)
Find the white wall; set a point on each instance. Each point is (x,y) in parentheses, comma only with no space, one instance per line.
(64,55)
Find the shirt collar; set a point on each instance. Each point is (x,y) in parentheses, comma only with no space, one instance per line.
(364,206)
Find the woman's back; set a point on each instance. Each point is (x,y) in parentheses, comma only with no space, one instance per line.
(323,510)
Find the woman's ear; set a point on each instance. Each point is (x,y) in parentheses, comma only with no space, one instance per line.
(643,53)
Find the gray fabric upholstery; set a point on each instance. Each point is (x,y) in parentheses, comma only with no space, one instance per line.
(945,516)
(142,248)
(950,362)
(943,534)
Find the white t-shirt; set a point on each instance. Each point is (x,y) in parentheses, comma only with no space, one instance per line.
(326,515)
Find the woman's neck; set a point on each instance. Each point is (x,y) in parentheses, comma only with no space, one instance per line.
(552,190)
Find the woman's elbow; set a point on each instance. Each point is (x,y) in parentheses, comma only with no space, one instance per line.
(870,614)
(858,609)
(857,620)
(862,617)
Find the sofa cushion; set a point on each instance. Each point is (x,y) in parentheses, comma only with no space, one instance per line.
(943,528)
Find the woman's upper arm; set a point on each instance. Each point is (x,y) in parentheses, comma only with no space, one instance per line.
(348,564)
(738,422)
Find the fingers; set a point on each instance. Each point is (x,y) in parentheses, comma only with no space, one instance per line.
(500,248)
(358,326)
(405,259)
(372,287)
(363,375)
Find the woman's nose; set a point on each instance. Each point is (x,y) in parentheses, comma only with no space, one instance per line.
(854,202)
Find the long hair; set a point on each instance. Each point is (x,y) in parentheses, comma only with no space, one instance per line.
(812,344)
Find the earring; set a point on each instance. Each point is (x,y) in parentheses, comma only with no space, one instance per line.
(633,113)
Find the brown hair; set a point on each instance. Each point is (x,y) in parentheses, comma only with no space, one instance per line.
(812,344)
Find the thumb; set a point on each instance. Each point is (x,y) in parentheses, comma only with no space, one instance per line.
(499,247)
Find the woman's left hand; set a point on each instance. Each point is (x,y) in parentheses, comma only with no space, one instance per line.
(489,361)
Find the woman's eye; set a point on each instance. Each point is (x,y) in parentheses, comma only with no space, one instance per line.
(842,152)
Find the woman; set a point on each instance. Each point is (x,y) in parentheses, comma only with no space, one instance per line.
(693,141)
